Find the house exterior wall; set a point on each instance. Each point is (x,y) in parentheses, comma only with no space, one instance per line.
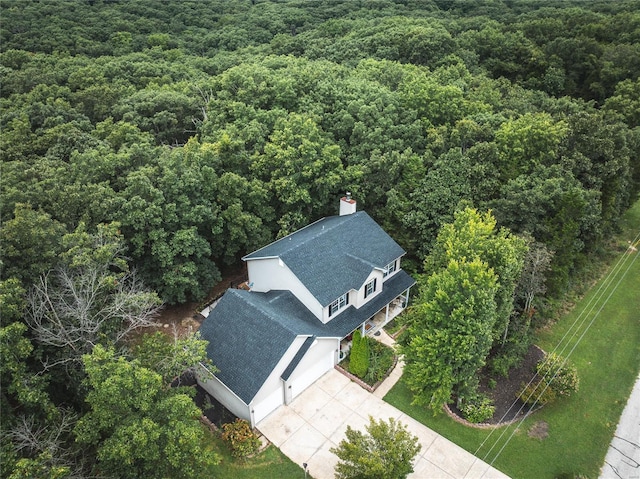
(360,299)
(398,265)
(271,394)
(273,274)
(226,397)
(320,358)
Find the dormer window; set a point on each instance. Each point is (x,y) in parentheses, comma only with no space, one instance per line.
(388,269)
(338,304)
(370,288)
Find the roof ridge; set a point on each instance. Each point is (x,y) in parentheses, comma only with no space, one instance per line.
(257,307)
(302,243)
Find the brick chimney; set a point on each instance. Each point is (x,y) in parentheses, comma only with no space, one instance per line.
(347,205)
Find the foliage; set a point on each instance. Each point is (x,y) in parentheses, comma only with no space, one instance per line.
(450,333)
(138,427)
(386,450)
(207,135)
(242,440)
(17,380)
(172,357)
(556,379)
(359,355)
(473,236)
(582,426)
(477,409)
(380,361)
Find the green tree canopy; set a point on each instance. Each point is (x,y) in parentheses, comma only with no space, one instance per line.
(385,451)
(138,427)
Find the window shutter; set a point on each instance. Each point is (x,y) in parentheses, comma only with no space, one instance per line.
(375,281)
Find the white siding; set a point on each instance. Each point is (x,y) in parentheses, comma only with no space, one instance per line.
(397,269)
(273,274)
(320,358)
(266,405)
(227,398)
(271,394)
(360,299)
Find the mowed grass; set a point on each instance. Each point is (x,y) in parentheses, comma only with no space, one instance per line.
(269,464)
(601,336)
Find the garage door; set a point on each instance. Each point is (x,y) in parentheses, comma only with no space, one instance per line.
(267,405)
(317,361)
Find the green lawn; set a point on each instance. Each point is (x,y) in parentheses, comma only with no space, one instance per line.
(602,334)
(269,464)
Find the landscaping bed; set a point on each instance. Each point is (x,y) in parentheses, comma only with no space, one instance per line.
(382,360)
(505,390)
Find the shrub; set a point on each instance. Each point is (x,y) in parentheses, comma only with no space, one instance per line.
(380,361)
(563,378)
(477,409)
(241,438)
(359,358)
(556,378)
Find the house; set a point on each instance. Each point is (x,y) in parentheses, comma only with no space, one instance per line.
(309,292)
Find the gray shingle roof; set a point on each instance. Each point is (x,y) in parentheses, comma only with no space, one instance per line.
(334,254)
(249,332)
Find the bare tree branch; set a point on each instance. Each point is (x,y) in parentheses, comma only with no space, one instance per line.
(77,308)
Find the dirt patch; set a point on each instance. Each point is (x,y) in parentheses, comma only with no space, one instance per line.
(505,390)
(179,320)
(184,319)
(540,430)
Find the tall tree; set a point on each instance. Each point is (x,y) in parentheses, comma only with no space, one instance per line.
(474,236)
(138,427)
(450,332)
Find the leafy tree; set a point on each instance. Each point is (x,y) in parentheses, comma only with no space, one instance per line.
(451,327)
(386,450)
(303,170)
(473,236)
(138,427)
(446,184)
(30,242)
(530,140)
(172,357)
(170,218)
(21,389)
(552,206)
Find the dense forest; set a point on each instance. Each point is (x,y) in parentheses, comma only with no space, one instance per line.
(146,146)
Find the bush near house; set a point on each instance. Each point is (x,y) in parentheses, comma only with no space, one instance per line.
(240,438)
(359,358)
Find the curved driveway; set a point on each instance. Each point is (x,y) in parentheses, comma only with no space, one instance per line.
(316,421)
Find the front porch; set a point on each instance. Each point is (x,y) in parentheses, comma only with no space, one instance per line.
(375,323)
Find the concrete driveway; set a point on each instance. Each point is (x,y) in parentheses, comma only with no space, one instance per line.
(317,420)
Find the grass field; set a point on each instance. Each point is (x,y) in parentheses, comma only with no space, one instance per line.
(601,336)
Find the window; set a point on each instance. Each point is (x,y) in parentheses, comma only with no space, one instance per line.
(388,269)
(370,288)
(338,304)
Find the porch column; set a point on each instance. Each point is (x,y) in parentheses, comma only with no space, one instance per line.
(386,315)
(406,298)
